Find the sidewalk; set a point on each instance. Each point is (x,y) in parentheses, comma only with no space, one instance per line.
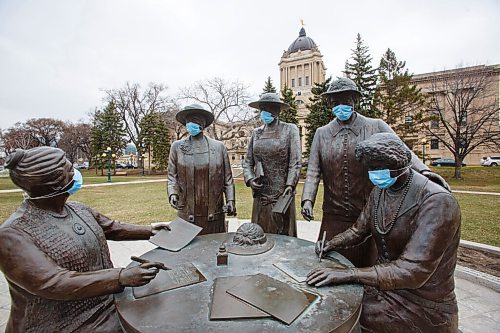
(479,307)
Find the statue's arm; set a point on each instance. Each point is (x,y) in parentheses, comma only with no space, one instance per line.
(249,163)
(228,176)
(31,269)
(438,222)
(115,230)
(416,164)
(295,158)
(172,186)
(313,170)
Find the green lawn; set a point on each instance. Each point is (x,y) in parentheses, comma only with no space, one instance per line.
(474,178)
(145,203)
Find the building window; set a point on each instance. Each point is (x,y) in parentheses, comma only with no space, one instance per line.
(435,120)
(300,82)
(408,120)
(293,83)
(232,157)
(242,157)
(434,144)
(307,80)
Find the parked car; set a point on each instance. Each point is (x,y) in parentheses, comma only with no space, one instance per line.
(490,161)
(445,162)
(120,166)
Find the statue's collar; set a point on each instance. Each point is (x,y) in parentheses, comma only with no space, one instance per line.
(354,126)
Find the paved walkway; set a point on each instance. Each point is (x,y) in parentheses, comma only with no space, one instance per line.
(479,307)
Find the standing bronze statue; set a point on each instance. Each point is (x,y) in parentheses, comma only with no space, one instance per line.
(416,226)
(199,174)
(54,253)
(346,183)
(272,166)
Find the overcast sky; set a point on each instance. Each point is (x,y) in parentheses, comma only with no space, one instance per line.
(57,56)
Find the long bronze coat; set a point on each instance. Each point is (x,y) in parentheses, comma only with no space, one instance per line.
(201,179)
(278,149)
(411,287)
(59,271)
(345,179)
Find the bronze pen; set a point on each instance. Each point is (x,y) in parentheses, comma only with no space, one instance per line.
(322,246)
(159,265)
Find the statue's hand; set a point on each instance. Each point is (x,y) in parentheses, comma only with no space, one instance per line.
(288,190)
(231,208)
(158,226)
(307,210)
(174,201)
(321,276)
(138,275)
(255,185)
(329,245)
(434,177)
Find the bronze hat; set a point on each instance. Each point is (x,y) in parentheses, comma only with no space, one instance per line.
(194,109)
(340,85)
(269,98)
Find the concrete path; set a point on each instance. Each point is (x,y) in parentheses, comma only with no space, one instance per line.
(479,307)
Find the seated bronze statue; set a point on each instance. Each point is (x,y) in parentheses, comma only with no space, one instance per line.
(54,253)
(416,227)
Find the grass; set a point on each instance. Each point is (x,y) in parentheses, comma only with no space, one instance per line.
(474,178)
(146,203)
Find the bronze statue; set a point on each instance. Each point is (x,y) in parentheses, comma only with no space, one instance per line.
(272,166)
(199,174)
(346,183)
(416,226)
(54,253)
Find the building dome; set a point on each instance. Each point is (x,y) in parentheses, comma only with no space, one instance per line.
(302,43)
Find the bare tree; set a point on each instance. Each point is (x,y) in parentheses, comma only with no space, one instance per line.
(18,136)
(227,101)
(464,106)
(133,105)
(75,141)
(178,130)
(46,131)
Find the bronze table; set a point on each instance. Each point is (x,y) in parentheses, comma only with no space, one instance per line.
(187,309)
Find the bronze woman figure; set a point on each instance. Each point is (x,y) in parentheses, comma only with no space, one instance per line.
(272,166)
(199,174)
(415,224)
(54,253)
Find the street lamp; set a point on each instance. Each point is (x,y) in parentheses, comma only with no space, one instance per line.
(143,157)
(424,142)
(108,154)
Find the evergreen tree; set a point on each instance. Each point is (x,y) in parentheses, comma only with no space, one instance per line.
(107,131)
(363,74)
(269,86)
(398,102)
(155,139)
(319,113)
(290,115)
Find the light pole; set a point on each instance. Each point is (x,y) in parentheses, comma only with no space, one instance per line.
(108,154)
(424,142)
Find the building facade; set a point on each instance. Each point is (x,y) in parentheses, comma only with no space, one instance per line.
(301,66)
(451,89)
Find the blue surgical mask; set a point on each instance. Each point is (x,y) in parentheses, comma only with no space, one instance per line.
(77,182)
(266,117)
(193,129)
(382,178)
(342,112)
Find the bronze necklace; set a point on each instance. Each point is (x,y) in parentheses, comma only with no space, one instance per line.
(406,187)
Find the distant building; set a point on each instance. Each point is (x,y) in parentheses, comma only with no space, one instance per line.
(433,83)
(301,65)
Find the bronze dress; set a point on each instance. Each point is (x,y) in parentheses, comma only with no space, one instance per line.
(200,177)
(345,179)
(59,271)
(277,148)
(411,287)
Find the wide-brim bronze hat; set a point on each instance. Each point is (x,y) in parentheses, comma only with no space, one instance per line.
(269,98)
(197,110)
(342,85)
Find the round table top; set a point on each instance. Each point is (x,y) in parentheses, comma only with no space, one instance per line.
(187,309)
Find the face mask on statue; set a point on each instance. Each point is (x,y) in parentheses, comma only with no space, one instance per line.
(77,184)
(382,178)
(342,112)
(266,117)
(193,129)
